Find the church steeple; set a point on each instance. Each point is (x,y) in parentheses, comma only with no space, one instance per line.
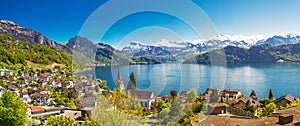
(119,81)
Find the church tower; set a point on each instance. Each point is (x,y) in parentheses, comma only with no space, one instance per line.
(119,81)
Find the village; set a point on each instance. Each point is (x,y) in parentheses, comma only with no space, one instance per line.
(57,92)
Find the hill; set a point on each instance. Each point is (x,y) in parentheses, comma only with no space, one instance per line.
(265,53)
(87,52)
(80,50)
(14,51)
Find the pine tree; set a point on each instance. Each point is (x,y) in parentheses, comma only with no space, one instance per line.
(132,82)
(271,94)
(253,93)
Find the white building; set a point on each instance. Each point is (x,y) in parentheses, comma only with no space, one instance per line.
(143,97)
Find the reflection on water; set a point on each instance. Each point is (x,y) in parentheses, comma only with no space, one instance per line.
(281,78)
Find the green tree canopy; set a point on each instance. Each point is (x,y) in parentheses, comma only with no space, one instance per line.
(163,116)
(162,105)
(191,95)
(268,110)
(265,101)
(60,121)
(271,94)
(248,107)
(12,110)
(198,106)
(106,114)
(18,52)
(253,93)
(132,82)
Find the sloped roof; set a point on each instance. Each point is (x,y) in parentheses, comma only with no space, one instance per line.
(230,92)
(142,94)
(216,105)
(288,97)
(253,102)
(86,102)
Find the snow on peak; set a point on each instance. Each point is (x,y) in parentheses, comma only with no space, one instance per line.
(252,39)
(168,43)
(291,35)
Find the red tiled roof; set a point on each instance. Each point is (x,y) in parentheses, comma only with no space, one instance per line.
(230,92)
(36,108)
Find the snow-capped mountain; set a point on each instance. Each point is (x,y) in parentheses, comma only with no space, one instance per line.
(182,50)
(291,38)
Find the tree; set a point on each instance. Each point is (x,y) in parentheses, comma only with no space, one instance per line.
(268,110)
(103,84)
(271,94)
(252,93)
(59,101)
(265,101)
(176,112)
(12,110)
(60,121)
(124,102)
(163,116)
(162,105)
(214,97)
(173,93)
(132,82)
(191,95)
(72,104)
(197,106)
(106,114)
(248,107)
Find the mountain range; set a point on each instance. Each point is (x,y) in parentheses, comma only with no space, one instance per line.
(83,51)
(238,48)
(185,50)
(265,53)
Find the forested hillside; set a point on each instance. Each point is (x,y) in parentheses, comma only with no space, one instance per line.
(18,52)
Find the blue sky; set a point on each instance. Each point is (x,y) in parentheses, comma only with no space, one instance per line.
(61,20)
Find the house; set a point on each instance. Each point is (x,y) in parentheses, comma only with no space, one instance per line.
(77,115)
(89,102)
(254,102)
(284,100)
(2,72)
(230,96)
(34,110)
(86,105)
(1,90)
(25,97)
(208,94)
(285,119)
(166,98)
(227,96)
(144,97)
(216,108)
(9,73)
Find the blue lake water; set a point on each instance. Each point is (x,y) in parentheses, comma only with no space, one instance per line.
(162,78)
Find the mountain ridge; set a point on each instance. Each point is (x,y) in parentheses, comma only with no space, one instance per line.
(82,49)
(18,32)
(186,49)
(265,53)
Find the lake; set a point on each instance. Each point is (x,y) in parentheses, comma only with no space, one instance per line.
(282,78)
